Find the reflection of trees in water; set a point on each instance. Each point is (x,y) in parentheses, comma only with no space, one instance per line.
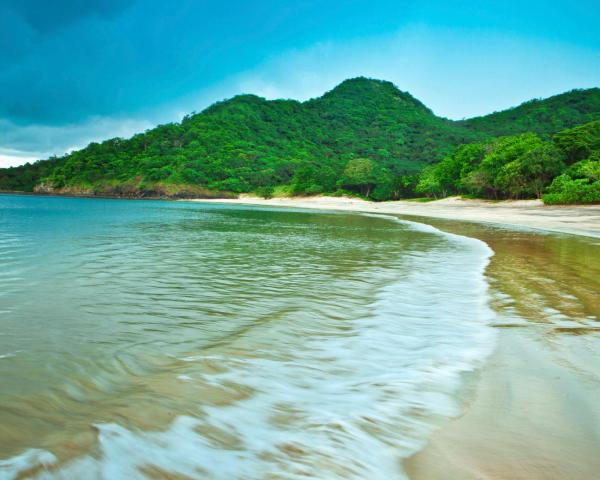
(542,277)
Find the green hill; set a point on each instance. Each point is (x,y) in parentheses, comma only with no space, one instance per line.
(546,116)
(364,135)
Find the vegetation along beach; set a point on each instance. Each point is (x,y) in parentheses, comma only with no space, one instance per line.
(299,240)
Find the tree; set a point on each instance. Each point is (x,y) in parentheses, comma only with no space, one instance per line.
(404,186)
(531,172)
(359,174)
(429,184)
(310,179)
(449,175)
(588,168)
(265,191)
(485,179)
(580,142)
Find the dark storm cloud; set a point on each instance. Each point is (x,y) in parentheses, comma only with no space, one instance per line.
(64,60)
(47,16)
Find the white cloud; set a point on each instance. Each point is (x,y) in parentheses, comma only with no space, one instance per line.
(26,143)
(12,158)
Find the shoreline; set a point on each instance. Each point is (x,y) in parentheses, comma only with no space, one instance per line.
(528,416)
(529,412)
(108,196)
(583,220)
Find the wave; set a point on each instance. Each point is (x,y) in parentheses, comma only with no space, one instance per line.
(336,399)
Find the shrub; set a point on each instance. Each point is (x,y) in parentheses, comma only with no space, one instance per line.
(565,190)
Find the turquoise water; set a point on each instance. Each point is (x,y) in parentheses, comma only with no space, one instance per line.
(142,339)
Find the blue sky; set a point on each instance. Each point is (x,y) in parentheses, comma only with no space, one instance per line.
(73,71)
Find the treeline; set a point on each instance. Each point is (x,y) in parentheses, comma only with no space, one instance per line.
(563,169)
(364,137)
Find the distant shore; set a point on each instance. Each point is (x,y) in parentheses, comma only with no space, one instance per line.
(530,214)
(135,195)
(572,219)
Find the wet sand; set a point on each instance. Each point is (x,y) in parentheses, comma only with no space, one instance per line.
(575,219)
(531,412)
(532,417)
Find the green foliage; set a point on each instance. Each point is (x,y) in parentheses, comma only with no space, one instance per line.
(530,172)
(428,183)
(588,168)
(364,137)
(283,191)
(25,177)
(518,166)
(580,182)
(449,176)
(359,175)
(394,187)
(248,142)
(500,165)
(544,117)
(579,142)
(565,190)
(265,192)
(312,180)
(522,166)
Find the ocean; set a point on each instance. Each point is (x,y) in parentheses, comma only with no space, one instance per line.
(154,339)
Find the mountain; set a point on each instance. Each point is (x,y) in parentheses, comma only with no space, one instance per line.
(364,130)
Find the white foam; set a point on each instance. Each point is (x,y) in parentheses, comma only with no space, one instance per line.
(27,460)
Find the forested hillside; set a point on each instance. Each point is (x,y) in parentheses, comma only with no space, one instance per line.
(364,136)
(545,116)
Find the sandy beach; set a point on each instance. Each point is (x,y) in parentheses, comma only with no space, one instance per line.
(531,412)
(578,220)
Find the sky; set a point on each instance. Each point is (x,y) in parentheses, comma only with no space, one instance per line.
(75,71)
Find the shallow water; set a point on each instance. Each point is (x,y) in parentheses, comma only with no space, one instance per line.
(532,413)
(172,340)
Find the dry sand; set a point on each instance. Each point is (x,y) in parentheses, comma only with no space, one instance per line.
(579,219)
(532,412)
